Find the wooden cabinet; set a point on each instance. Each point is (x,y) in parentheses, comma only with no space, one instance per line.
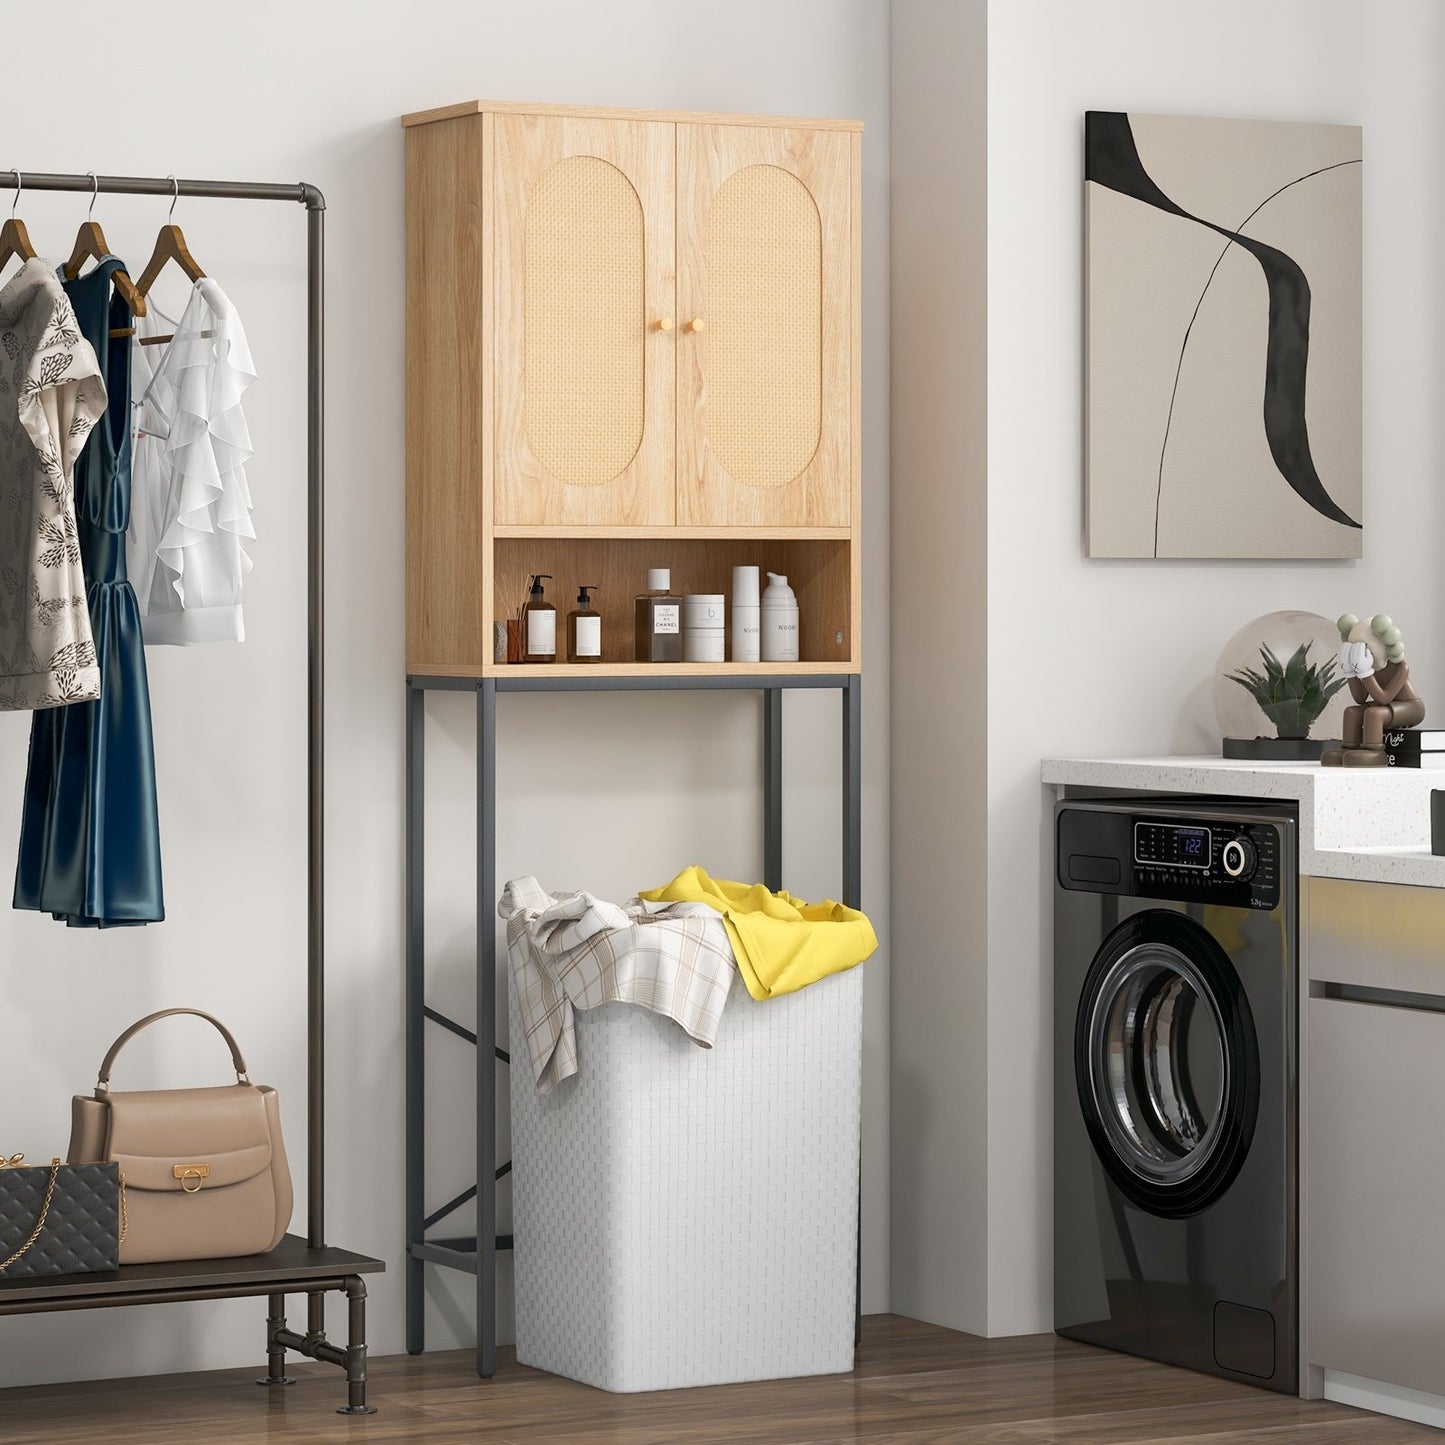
(629,331)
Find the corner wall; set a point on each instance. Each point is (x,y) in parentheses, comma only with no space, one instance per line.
(940,1046)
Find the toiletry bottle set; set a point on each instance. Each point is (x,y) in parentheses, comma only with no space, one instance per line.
(531,636)
(764,627)
(667,627)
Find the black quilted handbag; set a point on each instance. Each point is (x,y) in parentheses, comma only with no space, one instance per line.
(60,1218)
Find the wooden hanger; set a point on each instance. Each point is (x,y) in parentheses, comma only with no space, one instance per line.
(90,243)
(14,238)
(170,246)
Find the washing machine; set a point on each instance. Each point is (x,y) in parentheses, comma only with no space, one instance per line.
(1176,1084)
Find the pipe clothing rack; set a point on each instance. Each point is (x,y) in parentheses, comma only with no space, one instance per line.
(297,1266)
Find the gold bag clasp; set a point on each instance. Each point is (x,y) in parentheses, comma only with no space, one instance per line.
(191,1176)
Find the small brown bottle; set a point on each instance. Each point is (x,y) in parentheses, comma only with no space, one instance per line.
(584,627)
(659,619)
(539,624)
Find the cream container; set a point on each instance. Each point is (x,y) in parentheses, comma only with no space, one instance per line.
(779,621)
(704,636)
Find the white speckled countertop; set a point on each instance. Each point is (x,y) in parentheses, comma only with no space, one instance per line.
(1371,824)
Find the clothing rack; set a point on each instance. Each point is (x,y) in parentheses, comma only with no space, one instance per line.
(298,1266)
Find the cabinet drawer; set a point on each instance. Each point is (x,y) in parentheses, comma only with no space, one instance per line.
(1375,1192)
(1375,935)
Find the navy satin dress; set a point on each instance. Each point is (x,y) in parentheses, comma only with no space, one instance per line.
(90,850)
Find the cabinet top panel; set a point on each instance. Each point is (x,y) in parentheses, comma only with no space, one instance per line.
(593,112)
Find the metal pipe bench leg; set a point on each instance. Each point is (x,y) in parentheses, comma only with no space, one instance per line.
(356,1349)
(275,1350)
(315,1346)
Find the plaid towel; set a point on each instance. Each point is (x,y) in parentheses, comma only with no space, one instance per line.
(571,951)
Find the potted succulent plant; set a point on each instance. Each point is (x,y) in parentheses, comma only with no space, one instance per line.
(1292,695)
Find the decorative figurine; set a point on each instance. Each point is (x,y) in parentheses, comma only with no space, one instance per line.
(1372,658)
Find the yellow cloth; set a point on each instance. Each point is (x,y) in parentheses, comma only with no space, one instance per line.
(781,943)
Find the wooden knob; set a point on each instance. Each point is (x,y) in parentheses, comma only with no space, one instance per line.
(696,324)
(665,324)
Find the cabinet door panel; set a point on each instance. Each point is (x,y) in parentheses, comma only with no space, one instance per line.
(765,258)
(585,261)
(1375,1252)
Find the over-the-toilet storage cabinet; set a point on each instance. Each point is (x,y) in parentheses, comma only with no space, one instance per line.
(633,342)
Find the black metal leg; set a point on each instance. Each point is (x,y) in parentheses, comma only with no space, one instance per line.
(773,787)
(316,727)
(316,1315)
(853,792)
(314,1345)
(356,1349)
(486,1028)
(852,896)
(275,1350)
(415,1016)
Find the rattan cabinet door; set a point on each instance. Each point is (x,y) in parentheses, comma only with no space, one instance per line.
(585,264)
(764,354)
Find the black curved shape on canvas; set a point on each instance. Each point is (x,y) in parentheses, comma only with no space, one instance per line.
(1112,160)
(1198,305)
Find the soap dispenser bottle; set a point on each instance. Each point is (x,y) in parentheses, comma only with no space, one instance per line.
(539,624)
(584,627)
(659,619)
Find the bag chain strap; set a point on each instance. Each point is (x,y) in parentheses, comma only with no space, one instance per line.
(40,1224)
(45,1210)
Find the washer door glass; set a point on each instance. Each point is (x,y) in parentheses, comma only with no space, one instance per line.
(1167,1063)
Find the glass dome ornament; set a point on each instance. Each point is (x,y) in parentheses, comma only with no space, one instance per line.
(1278,692)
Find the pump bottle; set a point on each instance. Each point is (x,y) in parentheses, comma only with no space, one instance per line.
(779,613)
(584,627)
(539,624)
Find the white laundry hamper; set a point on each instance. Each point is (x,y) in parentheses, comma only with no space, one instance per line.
(685,1216)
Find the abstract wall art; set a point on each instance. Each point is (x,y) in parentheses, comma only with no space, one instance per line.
(1223,282)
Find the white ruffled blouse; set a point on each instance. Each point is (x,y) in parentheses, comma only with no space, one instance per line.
(190,516)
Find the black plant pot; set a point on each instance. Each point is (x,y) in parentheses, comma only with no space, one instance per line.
(1278,750)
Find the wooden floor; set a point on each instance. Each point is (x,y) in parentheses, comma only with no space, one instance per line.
(913,1383)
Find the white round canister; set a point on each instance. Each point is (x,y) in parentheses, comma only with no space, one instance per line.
(704,636)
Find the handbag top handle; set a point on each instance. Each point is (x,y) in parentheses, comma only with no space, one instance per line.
(102,1085)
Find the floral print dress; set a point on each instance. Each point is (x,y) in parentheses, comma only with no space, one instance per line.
(51,395)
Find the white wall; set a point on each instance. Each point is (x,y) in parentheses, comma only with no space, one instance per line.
(1109,657)
(608,792)
(940,1050)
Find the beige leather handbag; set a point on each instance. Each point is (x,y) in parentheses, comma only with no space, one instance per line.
(205,1168)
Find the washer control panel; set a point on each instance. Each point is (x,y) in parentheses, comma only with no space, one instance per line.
(1173,845)
(1204,857)
(1234,863)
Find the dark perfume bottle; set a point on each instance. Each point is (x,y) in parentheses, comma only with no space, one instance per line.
(659,619)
